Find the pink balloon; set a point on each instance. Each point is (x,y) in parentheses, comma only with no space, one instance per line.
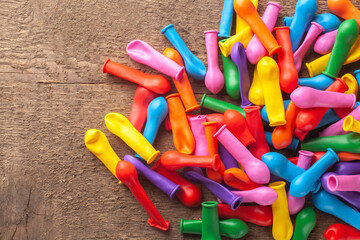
(343,183)
(325,42)
(198,130)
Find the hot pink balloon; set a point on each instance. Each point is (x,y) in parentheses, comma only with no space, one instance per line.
(325,42)
(198,130)
(344,183)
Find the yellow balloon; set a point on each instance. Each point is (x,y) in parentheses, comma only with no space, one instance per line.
(352,83)
(282,225)
(244,36)
(241,23)
(317,66)
(268,72)
(121,127)
(98,144)
(351,125)
(256,94)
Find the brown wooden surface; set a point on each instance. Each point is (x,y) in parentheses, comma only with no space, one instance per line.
(52,90)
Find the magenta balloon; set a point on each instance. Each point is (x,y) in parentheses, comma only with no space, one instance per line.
(257,171)
(262,196)
(306,97)
(198,130)
(325,42)
(344,183)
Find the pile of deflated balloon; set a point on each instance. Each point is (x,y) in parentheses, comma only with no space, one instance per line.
(228,151)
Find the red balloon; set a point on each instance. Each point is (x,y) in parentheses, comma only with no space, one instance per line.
(341,232)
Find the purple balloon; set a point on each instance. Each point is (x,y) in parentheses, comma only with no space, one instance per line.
(157,179)
(228,160)
(346,168)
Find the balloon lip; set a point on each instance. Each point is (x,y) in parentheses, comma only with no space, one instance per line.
(236,203)
(224,35)
(192,108)
(332,182)
(354,100)
(329,75)
(211,31)
(250,109)
(277,185)
(174,191)
(209,123)
(277,123)
(333,153)
(348,123)
(275,50)
(310,70)
(211,204)
(172,95)
(216,162)
(275,4)
(166,28)
(198,118)
(357,71)
(306,153)
(104,66)
(281,28)
(219,131)
(318,25)
(153,156)
(181,226)
(203,100)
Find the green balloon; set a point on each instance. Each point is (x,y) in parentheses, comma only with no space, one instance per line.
(345,38)
(210,229)
(218,105)
(231,228)
(231,75)
(305,223)
(345,143)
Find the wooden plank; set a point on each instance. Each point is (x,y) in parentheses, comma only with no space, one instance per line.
(52,90)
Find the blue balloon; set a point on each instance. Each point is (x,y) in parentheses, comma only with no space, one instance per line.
(320,82)
(328,21)
(309,180)
(226,19)
(304,13)
(193,65)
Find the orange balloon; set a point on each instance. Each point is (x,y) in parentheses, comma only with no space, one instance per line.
(183,85)
(347,156)
(344,9)
(246,10)
(237,178)
(283,135)
(182,135)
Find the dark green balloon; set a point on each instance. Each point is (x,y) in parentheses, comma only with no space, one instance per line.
(345,143)
(305,223)
(231,228)
(218,105)
(345,38)
(231,75)
(210,229)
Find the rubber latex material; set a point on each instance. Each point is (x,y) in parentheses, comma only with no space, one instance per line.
(314,31)
(238,56)
(164,184)
(231,75)
(351,82)
(182,85)
(328,21)
(259,215)
(305,223)
(306,97)
(246,10)
(308,119)
(344,9)
(236,124)
(241,23)
(156,83)
(142,52)
(264,115)
(217,189)
(254,124)
(98,144)
(189,194)
(244,36)
(214,78)
(231,228)
(218,105)
(255,50)
(256,93)
(282,136)
(317,66)
(341,232)
(238,179)
(262,196)
(349,143)
(210,221)
(344,183)
(255,169)
(228,160)
(126,173)
(138,112)
(292,146)
(350,124)
(325,43)
(304,13)
(194,66)
(282,226)
(182,136)
(268,72)
(330,204)
(308,181)
(173,160)
(345,38)
(198,130)
(121,127)
(288,74)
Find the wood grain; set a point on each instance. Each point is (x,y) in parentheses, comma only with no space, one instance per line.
(52,90)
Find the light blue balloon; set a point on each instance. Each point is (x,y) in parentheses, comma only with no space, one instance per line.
(226,19)
(320,82)
(328,21)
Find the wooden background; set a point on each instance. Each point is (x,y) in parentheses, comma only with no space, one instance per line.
(52,90)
